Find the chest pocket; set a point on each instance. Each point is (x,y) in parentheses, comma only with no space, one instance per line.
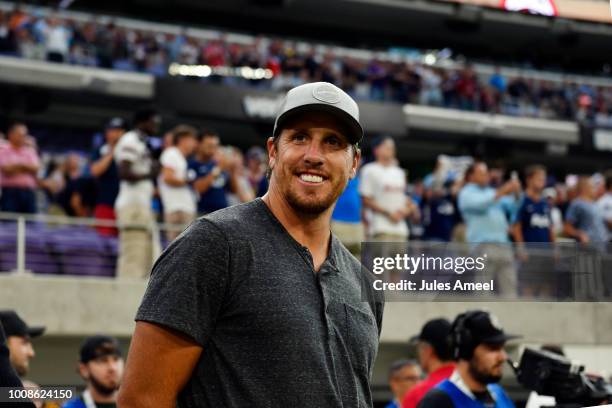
(357,330)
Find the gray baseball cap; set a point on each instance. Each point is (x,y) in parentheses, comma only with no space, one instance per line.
(321,96)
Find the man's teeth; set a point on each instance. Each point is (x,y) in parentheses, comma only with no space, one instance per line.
(311,178)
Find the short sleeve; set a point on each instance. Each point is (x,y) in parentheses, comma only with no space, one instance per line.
(168,159)
(366,182)
(519,215)
(186,291)
(126,150)
(571,215)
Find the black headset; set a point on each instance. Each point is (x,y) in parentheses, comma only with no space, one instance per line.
(462,340)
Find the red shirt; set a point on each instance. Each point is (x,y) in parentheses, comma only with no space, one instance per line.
(416,394)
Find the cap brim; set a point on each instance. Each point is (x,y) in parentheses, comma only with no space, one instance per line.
(355,131)
(36,331)
(500,338)
(414,339)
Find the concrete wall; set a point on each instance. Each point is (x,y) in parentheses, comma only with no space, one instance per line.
(73,308)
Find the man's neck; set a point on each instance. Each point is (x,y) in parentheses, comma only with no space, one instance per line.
(534,194)
(585,197)
(101,398)
(313,232)
(385,162)
(436,365)
(468,380)
(203,158)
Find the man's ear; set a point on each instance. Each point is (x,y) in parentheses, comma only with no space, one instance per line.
(271,152)
(356,161)
(83,371)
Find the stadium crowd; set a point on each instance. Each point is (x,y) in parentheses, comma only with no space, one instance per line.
(192,174)
(49,37)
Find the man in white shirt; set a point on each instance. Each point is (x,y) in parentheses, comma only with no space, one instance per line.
(383,191)
(177,197)
(138,241)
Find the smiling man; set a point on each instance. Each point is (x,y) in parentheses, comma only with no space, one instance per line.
(259,305)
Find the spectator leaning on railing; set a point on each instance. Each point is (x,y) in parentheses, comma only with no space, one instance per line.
(584,221)
(19,165)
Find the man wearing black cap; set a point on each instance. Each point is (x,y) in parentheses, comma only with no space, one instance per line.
(435,358)
(104,171)
(259,305)
(478,344)
(101,366)
(19,340)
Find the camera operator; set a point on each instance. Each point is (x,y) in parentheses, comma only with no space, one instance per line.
(478,343)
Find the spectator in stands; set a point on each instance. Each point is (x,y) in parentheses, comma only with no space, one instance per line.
(101,366)
(103,169)
(532,230)
(486,212)
(63,184)
(347,217)
(256,170)
(439,209)
(177,197)
(403,375)
(19,340)
(584,220)
(550,194)
(56,39)
(19,165)
(213,174)
(533,221)
(138,247)
(383,190)
(242,192)
(435,358)
(605,203)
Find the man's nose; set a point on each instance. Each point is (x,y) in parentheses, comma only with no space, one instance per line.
(313,154)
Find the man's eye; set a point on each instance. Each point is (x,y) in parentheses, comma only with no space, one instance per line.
(299,137)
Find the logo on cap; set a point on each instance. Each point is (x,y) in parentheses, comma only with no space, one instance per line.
(495,322)
(326,93)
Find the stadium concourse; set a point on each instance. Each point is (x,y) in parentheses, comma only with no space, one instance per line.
(440,124)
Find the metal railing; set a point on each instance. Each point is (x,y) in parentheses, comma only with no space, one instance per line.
(47,228)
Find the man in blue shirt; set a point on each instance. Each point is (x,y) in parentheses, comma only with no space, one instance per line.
(212,174)
(478,342)
(346,218)
(486,212)
(532,221)
(403,376)
(101,366)
(584,221)
(104,171)
(533,229)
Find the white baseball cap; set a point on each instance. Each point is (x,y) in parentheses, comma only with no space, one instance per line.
(325,97)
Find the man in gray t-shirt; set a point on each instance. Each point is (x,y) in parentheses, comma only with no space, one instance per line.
(259,305)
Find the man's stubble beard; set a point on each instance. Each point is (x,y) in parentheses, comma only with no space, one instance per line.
(102,388)
(482,377)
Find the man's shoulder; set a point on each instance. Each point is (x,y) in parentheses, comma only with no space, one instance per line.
(237,220)
(75,403)
(436,398)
